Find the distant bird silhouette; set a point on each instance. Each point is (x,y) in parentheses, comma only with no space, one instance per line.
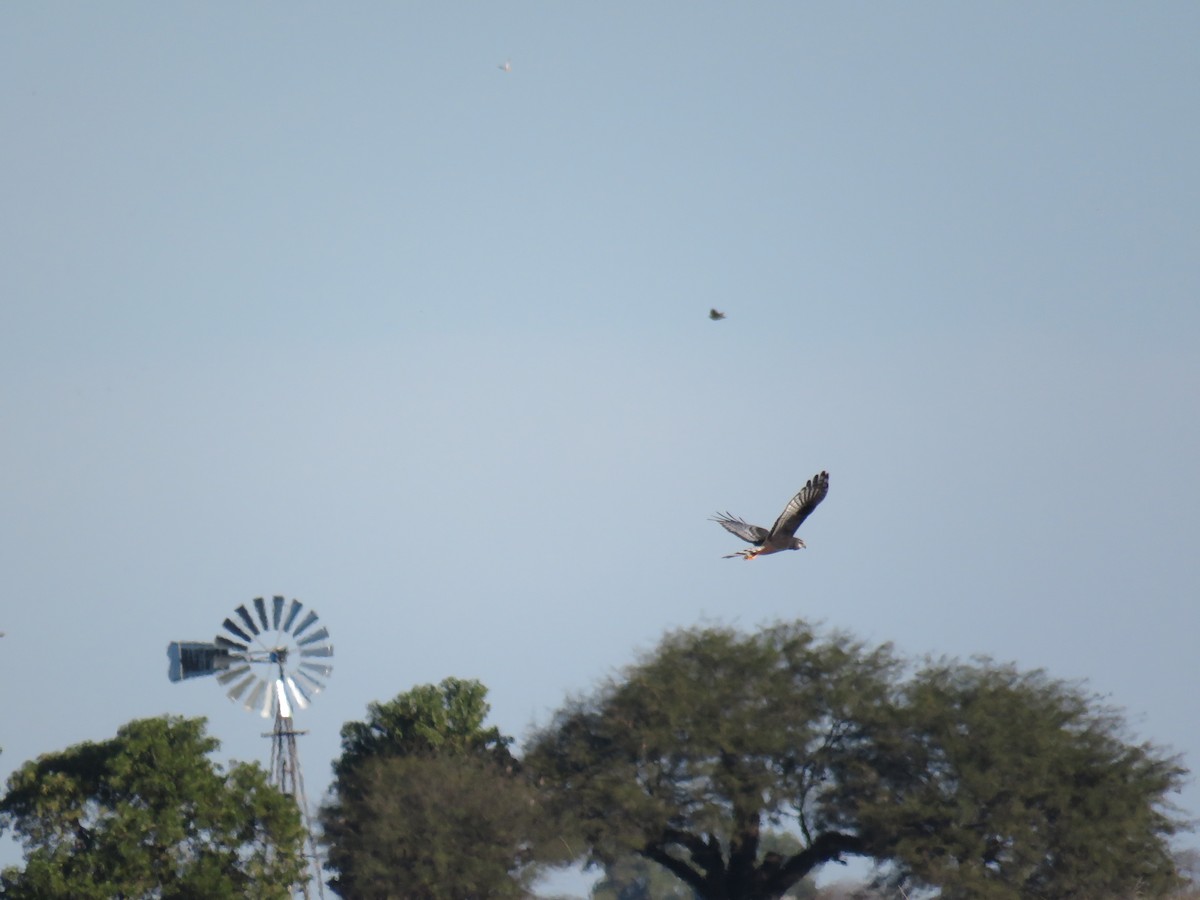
(505,66)
(782,533)
(716,315)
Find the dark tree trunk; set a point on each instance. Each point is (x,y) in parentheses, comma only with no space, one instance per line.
(744,877)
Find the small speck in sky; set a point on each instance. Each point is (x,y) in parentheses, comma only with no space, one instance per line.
(716,315)
(505,66)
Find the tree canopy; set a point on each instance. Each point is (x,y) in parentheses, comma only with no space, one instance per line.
(445,719)
(428,802)
(149,814)
(999,783)
(974,778)
(708,740)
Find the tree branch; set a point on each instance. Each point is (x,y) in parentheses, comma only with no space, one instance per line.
(826,848)
(677,867)
(743,843)
(706,853)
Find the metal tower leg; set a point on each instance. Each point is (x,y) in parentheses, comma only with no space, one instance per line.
(286,775)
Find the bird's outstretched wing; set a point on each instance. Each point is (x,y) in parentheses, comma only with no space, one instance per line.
(752,534)
(800,506)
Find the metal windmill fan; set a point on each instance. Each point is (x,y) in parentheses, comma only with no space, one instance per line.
(274,658)
(268,659)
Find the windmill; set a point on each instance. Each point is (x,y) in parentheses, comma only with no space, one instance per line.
(272,661)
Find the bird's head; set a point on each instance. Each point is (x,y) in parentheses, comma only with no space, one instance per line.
(798,544)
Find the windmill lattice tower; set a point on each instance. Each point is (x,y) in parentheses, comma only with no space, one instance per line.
(272,659)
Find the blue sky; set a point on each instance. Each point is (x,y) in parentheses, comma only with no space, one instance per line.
(320,302)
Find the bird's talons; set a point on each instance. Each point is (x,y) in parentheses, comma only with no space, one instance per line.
(744,554)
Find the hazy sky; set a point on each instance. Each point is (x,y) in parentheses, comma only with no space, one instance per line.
(322,302)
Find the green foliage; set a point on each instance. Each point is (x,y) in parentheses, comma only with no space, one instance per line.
(443,719)
(705,741)
(429,803)
(977,780)
(148,814)
(1001,784)
(431,828)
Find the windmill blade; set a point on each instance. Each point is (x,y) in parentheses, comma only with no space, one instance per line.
(308,620)
(237,690)
(232,628)
(319,635)
(245,617)
(318,651)
(268,706)
(260,607)
(276,611)
(293,611)
(296,691)
(311,683)
(231,646)
(280,700)
(256,695)
(319,668)
(233,674)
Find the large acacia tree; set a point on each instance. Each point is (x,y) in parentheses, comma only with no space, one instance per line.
(716,735)
(149,814)
(709,740)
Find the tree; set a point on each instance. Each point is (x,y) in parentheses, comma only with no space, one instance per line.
(995,783)
(444,719)
(430,828)
(974,779)
(708,740)
(148,814)
(429,804)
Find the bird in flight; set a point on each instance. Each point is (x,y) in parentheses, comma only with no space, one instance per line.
(782,535)
(716,315)
(505,66)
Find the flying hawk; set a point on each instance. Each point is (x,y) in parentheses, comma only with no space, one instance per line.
(716,315)
(782,533)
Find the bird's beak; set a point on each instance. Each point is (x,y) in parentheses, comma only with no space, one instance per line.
(802,544)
